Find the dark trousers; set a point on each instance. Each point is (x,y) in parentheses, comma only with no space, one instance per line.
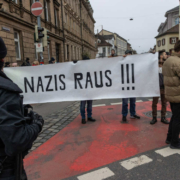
(163,105)
(89,109)
(132,106)
(174,126)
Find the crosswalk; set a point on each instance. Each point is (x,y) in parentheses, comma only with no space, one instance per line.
(129,164)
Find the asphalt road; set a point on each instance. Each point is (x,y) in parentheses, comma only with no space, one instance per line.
(50,108)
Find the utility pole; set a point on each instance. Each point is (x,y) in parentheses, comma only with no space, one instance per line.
(62,12)
(39,25)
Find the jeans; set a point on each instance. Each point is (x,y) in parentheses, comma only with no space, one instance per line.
(132,106)
(163,104)
(89,109)
(174,126)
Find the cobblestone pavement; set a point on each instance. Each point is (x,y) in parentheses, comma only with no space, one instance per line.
(56,122)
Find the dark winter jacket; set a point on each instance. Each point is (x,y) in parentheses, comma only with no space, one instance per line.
(15,134)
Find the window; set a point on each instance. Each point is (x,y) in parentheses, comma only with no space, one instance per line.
(173,40)
(108,50)
(49,51)
(65,18)
(163,42)
(16,1)
(46,10)
(56,17)
(176,21)
(159,43)
(17,45)
(57,52)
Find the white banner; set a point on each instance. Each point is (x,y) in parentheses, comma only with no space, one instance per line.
(107,78)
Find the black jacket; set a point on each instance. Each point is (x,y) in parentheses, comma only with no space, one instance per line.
(15,134)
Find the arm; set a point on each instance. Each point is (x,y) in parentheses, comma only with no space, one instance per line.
(15,133)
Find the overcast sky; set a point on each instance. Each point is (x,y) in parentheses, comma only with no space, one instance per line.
(114,15)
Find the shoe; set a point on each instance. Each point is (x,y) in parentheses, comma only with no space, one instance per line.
(83,121)
(164,120)
(135,117)
(177,146)
(91,119)
(168,141)
(124,120)
(154,121)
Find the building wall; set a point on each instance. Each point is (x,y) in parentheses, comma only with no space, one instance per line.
(120,43)
(167,47)
(79,35)
(107,49)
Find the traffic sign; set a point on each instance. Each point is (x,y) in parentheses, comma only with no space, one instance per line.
(39,47)
(37,9)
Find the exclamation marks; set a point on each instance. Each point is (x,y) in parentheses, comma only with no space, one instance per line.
(133,80)
(122,74)
(127,71)
(126,76)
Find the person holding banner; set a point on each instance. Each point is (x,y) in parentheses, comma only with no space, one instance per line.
(132,102)
(89,106)
(162,59)
(171,72)
(16,135)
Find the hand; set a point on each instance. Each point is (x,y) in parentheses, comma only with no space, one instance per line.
(37,119)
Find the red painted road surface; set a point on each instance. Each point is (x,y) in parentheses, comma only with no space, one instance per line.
(79,148)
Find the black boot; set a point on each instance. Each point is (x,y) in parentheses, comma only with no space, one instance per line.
(91,119)
(154,121)
(83,121)
(124,120)
(164,120)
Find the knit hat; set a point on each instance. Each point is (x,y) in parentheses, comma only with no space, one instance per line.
(3,49)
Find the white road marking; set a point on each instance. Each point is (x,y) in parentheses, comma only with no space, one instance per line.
(99,105)
(167,152)
(116,103)
(135,162)
(35,9)
(97,175)
(139,101)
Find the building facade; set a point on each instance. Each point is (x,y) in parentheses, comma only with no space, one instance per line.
(168,32)
(70,26)
(120,44)
(104,44)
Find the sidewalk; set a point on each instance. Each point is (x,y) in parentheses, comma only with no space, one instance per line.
(79,148)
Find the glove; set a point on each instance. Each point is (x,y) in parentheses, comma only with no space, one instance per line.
(36,119)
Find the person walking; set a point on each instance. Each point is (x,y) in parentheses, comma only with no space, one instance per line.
(162,58)
(16,135)
(171,72)
(125,102)
(89,107)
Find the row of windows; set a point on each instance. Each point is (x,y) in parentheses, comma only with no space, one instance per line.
(75,53)
(162,42)
(121,43)
(18,49)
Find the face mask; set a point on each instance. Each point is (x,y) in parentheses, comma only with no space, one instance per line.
(160,70)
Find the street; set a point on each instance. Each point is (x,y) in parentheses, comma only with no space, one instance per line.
(102,150)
